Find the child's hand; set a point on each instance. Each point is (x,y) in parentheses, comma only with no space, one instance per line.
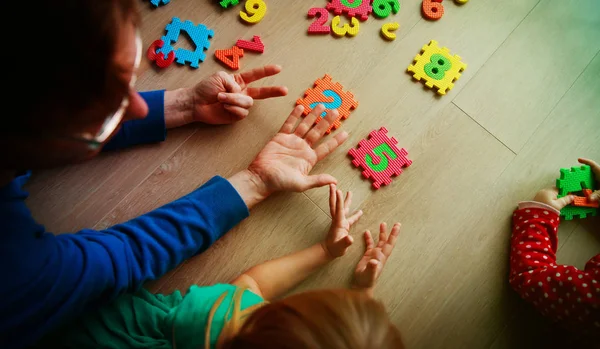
(549,197)
(596,169)
(371,264)
(337,241)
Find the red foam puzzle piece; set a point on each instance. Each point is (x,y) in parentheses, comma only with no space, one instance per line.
(362,11)
(235,53)
(380,157)
(159,57)
(256,45)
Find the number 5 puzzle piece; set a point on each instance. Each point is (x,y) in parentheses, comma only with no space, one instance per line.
(437,67)
(380,157)
(332,96)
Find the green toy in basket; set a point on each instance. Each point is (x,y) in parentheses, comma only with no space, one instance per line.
(573,180)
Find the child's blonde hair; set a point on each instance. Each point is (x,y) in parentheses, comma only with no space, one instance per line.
(324,319)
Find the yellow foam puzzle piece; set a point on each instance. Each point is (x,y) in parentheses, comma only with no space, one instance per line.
(386,28)
(351,30)
(450,75)
(256,11)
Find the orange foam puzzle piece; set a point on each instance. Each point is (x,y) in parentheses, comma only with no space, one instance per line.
(584,201)
(324,91)
(235,53)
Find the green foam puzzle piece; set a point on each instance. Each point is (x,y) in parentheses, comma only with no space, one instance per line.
(570,212)
(571,180)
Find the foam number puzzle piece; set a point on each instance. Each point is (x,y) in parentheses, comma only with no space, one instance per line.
(380,157)
(256,11)
(460,2)
(159,57)
(437,67)
(387,28)
(318,26)
(353,8)
(383,8)
(350,30)
(584,201)
(574,179)
(332,96)
(569,212)
(433,9)
(256,45)
(227,3)
(199,34)
(155,3)
(235,53)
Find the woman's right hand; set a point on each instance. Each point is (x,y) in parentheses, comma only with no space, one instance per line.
(596,170)
(371,264)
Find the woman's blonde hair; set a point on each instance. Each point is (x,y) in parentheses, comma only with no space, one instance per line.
(324,319)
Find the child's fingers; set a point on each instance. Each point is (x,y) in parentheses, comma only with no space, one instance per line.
(339,206)
(368,240)
(382,234)
(347,202)
(564,201)
(332,197)
(347,241)
(394,234)
(595,196)
(355,217)
(371,270)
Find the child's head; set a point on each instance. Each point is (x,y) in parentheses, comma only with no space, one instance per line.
(321,319)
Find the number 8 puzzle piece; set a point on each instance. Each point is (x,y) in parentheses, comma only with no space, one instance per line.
(332,96)
(380,157)
(437,67)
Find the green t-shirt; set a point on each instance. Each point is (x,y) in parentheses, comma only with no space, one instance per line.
(146,320)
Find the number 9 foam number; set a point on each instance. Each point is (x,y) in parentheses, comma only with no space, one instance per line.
(256,11)
(380,151)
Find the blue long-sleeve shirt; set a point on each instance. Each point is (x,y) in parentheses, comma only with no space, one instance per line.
(49,279)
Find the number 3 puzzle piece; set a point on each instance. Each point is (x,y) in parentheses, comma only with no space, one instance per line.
(380,157)
(333,96)
(351,30)
(437,67)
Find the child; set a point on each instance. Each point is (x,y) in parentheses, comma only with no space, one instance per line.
(239,315)
(562,292)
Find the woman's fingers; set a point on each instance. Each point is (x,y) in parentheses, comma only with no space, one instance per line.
(267,92)
(369,244)
(332,199)
(317,132)
(259,73)
(355,217)
(290,122)
(309,121)
(330,145)
(236,99)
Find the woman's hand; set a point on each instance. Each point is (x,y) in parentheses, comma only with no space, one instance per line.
(596,170)
(371,264)
(285,162)
(338,239)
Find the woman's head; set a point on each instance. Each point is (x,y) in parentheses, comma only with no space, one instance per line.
(76,72)
(324,319)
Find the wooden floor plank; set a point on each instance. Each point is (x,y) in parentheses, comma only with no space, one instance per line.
(522,82)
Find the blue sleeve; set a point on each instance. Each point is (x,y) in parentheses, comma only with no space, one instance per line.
(151,129)
(51,278)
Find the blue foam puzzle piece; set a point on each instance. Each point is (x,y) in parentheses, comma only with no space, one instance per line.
(158,2)
(199,34)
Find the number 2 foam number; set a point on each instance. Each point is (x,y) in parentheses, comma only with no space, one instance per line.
(336,103)
(318,26)
(256,11)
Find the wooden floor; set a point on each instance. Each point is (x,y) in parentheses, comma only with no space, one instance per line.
(527,105)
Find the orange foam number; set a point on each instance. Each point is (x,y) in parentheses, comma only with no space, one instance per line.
(256,11)
(433,9)
(235,53)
